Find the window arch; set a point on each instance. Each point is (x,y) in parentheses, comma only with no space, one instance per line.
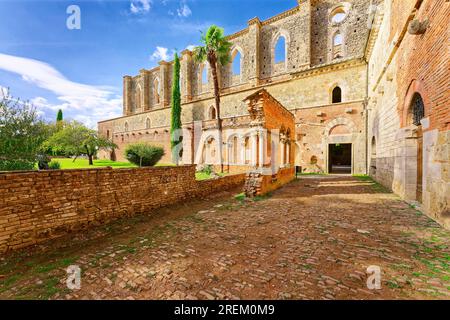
(336,95)
(338,43)
(210,151)
(156,91)
(280,49)
(417,110)
(137,100)
(338,15)
(233,150)
(236,58)
(337,39)
(147,123)
(212,114)
(126,127)
(204,74)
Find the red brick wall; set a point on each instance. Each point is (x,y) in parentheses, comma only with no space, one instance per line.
(424,64)
(37,206)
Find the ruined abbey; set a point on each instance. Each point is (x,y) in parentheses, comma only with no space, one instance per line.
(353,86)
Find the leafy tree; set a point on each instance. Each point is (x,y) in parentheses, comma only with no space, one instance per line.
(176,137)
(59,116)
(22,133)
(215,50)
(143,154)
(75,139)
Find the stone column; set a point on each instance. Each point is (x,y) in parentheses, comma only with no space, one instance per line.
(164,83)
(186,75)
(281,154)
(242,160)
(145,89)
(254,137)
(127,91)
(261,148)
(288,154)
(253,54)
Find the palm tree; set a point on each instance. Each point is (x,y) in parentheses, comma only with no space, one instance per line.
(215,50)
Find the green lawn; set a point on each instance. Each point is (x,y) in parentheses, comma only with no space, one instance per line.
(84,164)
(204,176)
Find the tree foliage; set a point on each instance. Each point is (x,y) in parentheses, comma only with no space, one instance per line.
(143,154)
(215,48)
(216,51)
(175,126)
(22,133)
(59,116)
(75,139)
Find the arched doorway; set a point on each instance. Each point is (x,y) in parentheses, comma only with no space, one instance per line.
(340,149)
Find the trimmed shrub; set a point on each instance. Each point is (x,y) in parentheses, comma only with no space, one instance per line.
(208,169)
(143,155)
(54,165)
(16,165)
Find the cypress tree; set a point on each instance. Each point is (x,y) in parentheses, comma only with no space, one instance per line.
(59,117)
(175,127)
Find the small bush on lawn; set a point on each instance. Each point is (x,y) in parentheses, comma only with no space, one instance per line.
(144,155)
(54,165)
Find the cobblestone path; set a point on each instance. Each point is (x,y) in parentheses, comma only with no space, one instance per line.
(313,239)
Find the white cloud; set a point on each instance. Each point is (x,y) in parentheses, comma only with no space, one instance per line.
(191,47)
(80,101)
(162,53)
(140,6)
(184,11)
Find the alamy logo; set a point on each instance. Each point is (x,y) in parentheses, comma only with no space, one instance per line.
(374,279)
(73,281)
(74,20)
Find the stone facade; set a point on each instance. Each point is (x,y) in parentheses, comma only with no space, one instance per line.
(351,71)
(411,157)
(301,83)
(37,206)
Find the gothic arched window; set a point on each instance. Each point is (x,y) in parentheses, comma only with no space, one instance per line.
(156,91)
(337,95)
(280,50)
(417,109)
(236,57)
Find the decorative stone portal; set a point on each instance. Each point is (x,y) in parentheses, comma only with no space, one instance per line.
(272,144)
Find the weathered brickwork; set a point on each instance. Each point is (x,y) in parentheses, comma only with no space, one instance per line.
(37,206)
(413,160)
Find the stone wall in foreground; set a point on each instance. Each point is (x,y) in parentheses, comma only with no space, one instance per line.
(37,206)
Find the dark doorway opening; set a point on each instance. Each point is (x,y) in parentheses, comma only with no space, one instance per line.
(340,158)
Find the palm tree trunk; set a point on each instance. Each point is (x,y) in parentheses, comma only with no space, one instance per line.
(213,64)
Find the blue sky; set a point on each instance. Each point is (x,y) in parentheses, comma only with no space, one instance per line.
(81,71)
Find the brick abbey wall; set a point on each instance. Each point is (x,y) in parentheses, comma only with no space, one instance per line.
(37,206)
(401,65)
